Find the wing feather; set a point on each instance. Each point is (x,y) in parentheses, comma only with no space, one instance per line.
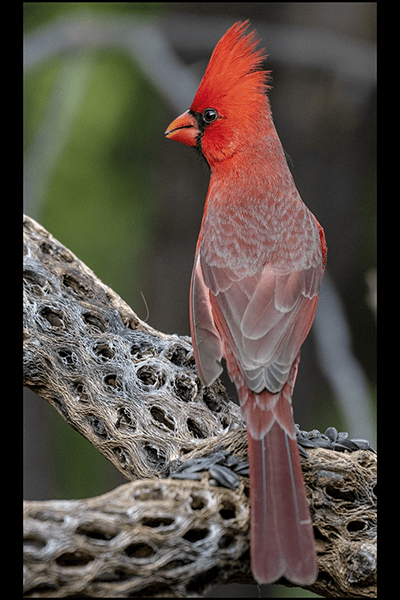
(267,316)
(207,342)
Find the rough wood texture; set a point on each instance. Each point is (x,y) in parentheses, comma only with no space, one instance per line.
(134,394)
(131,391)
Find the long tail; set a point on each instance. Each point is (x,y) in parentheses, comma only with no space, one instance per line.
(281,533)
(282,539)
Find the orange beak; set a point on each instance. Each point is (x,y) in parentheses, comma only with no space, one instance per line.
(184,129)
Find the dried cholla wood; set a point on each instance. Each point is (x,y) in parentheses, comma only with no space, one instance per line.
(168,538)
(133,392)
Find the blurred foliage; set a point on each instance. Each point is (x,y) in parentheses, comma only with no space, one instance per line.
(98,121)
(99,197)
(40,13)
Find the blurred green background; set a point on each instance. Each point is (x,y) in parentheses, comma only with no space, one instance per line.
(91,123)
(97,119)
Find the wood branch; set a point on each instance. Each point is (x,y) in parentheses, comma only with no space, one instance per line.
(133,392)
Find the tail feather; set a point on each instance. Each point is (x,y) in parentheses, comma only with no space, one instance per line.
(282,539)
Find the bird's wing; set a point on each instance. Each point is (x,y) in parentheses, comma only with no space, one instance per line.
(207,343)
(264,319)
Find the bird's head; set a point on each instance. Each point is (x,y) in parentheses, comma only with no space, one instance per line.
(231,97)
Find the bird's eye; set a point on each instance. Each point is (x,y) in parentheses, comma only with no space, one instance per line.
(209,115)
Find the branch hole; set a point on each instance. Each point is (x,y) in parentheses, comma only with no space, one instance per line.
(156,522)
(98,426)
(142,349)
(140,550)
(103,351)
(159,415)
(354,526)
(34,541)
(149,376)
(177,355)
(154,455)
(94,322)
(340,494)
(93,532)
(111,380)
(195,535)
(68,357)
(184,388)
(76,286)
(211,401)
(125,416)
(34,278)
(123,457)
(79,391)
(228,510)
(226,541)
(54,317)
(79,558)
(195,429)
(197,503)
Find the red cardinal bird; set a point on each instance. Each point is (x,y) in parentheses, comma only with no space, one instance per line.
(259,261)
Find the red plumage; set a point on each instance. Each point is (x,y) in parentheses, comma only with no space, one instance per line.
(259,261)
